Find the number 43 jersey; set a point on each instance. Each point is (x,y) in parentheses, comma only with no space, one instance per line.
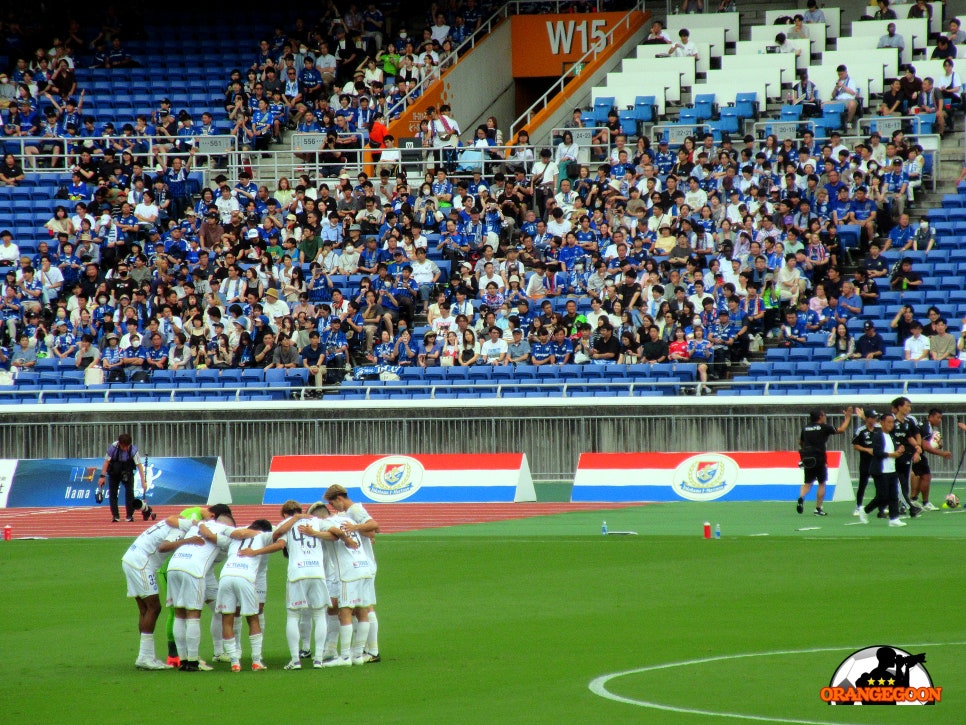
(305,557)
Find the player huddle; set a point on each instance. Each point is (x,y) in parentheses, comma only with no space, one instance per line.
(330,584)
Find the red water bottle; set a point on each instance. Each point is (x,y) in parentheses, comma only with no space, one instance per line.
(707,529)
(7,533)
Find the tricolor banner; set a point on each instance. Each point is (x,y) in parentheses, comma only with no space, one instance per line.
(430,478)
(731,476)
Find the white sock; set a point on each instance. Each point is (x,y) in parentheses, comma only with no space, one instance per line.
(232,650)
(179,637)
(238,632)
(331,635)
(256,642)
(360,633)
(372,644)
(292,633)
(345,640)
(305,629)
(192,638)
(216,634)
(318,619)
(146,651)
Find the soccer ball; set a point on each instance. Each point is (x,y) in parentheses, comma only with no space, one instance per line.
(952,501)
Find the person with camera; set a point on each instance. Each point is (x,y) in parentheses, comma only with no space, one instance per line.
(812,447)
(884,453)
(119,465)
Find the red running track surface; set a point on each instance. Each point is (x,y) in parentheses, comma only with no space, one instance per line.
(95,521)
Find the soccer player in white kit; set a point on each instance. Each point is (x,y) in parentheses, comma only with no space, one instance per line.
(140,564)
(237,589)
(353,570)
(306,575)
(187,572)
(363,523)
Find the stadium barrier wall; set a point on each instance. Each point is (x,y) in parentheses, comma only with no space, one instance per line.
(696,476)
(47,482)
(552,433)
(440,478)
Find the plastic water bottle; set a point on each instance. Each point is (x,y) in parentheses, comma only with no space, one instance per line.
(7,533)
(707,529)
(717,531)
(603,528)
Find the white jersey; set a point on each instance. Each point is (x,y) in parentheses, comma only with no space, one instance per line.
(351,564)
(245,567)
(143,553)
(359,515)
(198,560)
(305,554)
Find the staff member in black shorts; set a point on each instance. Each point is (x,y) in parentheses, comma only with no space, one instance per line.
(921,473)
(862,442)
(811,447)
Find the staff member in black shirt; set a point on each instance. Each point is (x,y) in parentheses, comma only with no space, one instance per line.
(862,442)
(811,447)
(884,453)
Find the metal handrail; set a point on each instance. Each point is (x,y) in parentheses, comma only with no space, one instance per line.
(500,388)
(509,8)
(219,145)
(574,70)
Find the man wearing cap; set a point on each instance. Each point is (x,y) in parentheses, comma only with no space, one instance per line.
(870,345)
(274,307)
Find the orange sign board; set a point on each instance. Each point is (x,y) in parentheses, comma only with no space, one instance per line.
(545,45)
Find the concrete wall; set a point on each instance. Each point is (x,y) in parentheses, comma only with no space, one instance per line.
(470,87)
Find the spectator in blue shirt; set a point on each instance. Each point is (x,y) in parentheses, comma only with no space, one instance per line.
(793,332)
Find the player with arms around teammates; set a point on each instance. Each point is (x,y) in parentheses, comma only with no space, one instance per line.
(305,586)
(187,573)
(237,589)
(140,564)
(349,574)
(368,527)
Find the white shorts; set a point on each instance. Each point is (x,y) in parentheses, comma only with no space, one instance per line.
(211,587)
(261,588)
(335,588)
(236,593)
(140,582)
(185,591)
(357,593)
(304,593)
(370,593)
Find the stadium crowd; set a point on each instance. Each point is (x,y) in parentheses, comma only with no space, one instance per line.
(646,256)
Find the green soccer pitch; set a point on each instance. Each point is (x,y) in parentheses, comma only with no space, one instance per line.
(511,622)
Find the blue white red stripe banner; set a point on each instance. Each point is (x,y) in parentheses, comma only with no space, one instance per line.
(693,476)
(419,478)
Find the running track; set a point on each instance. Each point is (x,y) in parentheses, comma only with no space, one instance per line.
(95,521)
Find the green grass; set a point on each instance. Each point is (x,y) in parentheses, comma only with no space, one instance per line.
(511,621)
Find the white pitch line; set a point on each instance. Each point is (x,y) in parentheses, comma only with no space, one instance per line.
(599,684)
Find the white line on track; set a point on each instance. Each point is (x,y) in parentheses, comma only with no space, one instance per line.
(599,684)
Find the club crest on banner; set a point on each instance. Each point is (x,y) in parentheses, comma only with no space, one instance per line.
(392,478)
